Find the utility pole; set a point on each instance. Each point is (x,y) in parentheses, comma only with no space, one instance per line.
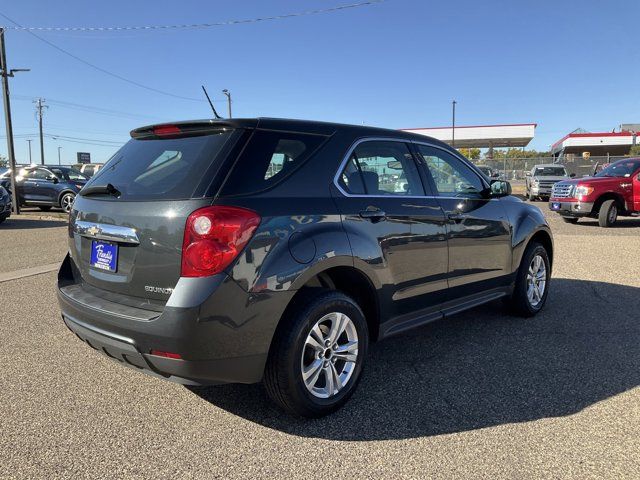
(29,142)
(453,124)
(6,73)
(228,94)
(59,148)
(39,106)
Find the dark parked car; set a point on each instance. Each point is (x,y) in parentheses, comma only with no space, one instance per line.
(5,204)
(210,252)
(49,186)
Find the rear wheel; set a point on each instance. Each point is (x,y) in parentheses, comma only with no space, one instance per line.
(317,355)
(532,282)
(608,213)
(570,220)
(66,202)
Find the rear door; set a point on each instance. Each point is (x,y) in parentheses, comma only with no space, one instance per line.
(392,226)
(478,230)
(130,242)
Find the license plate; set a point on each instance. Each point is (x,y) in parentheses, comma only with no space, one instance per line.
(104,256)
(555,206)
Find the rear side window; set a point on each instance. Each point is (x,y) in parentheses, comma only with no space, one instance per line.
(268,158)
(167,169)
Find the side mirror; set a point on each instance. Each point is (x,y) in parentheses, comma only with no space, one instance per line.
(53,178)
(500,188)
(527,174)
(572,175)
(495,175)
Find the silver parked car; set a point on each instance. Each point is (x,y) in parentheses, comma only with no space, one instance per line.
(540,180)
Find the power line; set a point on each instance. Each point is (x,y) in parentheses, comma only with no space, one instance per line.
(100,69)
(194,25)
(87,108)
(66,138)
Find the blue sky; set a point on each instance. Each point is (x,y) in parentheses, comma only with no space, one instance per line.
(398,64)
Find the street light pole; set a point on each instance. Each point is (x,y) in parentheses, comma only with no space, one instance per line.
(228,94)
(29,142)
(5,73)
(59,148)
(453,124)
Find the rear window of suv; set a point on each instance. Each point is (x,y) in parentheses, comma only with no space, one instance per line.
(167,169)
(268,158)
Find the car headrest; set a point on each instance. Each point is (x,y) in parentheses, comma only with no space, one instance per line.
(371,181)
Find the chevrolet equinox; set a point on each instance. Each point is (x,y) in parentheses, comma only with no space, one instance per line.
(272,250)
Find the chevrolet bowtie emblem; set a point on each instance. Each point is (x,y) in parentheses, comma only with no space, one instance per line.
(93,230)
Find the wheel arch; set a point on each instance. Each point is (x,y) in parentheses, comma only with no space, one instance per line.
(352,282)
(620,201)
(63,193)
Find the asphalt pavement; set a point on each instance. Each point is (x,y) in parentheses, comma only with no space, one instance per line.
(482,395)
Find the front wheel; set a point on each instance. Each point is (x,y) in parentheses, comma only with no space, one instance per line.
(532,282)
(66,202)
(608,213)
(317,355)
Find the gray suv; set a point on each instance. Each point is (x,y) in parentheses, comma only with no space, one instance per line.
(210,252)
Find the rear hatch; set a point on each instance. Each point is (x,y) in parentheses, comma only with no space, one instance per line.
(127,225)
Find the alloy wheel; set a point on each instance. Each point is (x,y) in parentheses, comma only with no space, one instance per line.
(67,202)
(536,280)
(329,355)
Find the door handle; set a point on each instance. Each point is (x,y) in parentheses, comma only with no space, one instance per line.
(456,217)
(375,216)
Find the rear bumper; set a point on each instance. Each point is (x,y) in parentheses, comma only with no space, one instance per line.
(221,332)
(571,207)
(187,372)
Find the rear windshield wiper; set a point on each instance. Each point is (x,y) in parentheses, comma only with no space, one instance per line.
(100,190)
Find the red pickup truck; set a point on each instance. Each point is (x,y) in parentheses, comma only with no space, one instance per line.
(613,192)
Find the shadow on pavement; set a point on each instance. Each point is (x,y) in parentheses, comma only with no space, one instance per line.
(28,223)
(622,222)
(479,369)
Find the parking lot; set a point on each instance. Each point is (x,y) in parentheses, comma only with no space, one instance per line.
(483,395)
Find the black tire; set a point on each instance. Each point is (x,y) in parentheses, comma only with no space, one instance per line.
(45,208)
(519,302)
(2,219)
(570,220)
(608,213)
(283,373)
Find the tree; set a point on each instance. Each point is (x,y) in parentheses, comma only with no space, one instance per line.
(635,151)
(3,161)
(518,153)
(470,153)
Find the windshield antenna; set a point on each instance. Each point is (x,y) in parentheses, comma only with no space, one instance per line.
(210,102)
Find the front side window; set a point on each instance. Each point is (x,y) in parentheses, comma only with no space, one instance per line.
(451,176)
(381,168)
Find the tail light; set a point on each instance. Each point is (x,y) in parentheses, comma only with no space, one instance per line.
(214,237)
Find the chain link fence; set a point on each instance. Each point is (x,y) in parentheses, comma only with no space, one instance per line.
(515,169)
